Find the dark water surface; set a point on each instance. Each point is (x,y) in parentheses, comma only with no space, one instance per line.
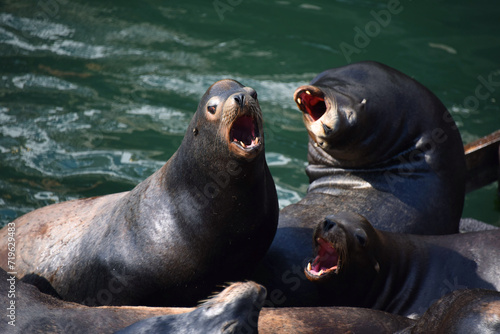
(96,95)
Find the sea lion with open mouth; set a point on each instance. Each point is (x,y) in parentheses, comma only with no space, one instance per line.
(358,265)
(206,217)
(381,144)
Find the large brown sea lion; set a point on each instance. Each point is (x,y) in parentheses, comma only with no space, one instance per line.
(206,217)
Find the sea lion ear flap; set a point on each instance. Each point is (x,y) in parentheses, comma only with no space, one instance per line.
(375,264)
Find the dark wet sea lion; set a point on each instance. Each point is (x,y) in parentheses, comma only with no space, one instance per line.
(358,265)
(386,148)
(206,217)
(233,311)
(329,320)
(36,312)
(383,145)
(475,311)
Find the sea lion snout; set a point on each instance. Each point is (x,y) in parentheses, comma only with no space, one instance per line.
(328,224)
(242,117)
(244,96)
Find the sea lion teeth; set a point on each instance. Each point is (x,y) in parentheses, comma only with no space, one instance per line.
(308,92)
(309,266)
(299,101)
(243,144)
(321,272)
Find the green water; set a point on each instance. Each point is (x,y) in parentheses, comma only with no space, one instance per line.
(95,96)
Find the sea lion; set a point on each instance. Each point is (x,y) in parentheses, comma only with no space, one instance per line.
(382,145)
(235,310)
(43,313)
(329,320)
(358,265)
(205,218)
(475,311)
(36,312)
(30,311)
(238,304)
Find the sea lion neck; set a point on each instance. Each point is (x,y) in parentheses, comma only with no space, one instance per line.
(206,164)
(395,267)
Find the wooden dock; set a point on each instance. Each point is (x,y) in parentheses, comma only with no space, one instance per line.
(482,158)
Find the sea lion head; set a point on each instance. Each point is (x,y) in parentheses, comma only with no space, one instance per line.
(229,120)
(365,113)
(328,113)
(234,310)
(344,246)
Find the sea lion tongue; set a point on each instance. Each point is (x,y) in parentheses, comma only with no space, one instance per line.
(312,104)
(327,259)
(245,132)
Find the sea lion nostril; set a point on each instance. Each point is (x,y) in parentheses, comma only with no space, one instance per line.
(240,99)
(328,224)
(327,129)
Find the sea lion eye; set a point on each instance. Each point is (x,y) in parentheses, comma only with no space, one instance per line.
(211,109)
(361,237)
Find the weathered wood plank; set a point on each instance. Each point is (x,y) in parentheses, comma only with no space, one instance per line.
(482,160)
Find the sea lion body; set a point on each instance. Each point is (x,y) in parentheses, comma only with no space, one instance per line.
(206,217)
(237,306)
(329,320)
(475,311)
(234,310)
(43,313)
(380,144)
(36,312)
(358,265)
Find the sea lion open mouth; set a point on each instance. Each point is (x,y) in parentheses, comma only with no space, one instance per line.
(245,133)
(327,261)
(311,103)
